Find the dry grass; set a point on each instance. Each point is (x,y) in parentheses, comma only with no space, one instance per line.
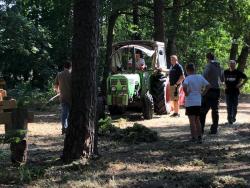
(221,161)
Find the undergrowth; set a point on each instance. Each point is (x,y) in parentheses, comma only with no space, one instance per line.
(135,134)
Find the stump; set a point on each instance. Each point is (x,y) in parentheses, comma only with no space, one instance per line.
(18,128)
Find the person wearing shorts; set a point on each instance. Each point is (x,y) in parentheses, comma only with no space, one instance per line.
(194,86)
(176,76)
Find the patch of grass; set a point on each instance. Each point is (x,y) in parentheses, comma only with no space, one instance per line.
(230,182)
(197,162)
(26,173)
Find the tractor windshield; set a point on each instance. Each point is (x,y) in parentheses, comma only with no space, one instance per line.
(129,56)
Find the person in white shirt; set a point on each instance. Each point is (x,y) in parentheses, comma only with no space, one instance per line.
(194,86)
(139,61)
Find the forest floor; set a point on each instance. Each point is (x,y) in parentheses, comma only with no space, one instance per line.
(223,160)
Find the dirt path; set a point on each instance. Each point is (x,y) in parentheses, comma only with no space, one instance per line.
(221,161)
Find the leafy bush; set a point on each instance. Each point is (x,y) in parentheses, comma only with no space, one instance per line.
(13,136)
(135,134)
(27,96)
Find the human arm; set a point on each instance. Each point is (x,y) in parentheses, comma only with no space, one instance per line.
(181,77)
(185,89)
(56,84)
(206,71)
(242,81)
(222,76)
(207,86)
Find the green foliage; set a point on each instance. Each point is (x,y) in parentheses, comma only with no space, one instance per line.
(13,136)
(135,134)
(30,97)
(29,173)
(139,133)
(23,49)
(246,87)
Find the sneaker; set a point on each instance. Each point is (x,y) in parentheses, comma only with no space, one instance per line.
(175,115)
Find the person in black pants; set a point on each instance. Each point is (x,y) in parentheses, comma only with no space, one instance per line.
(214,75)
(234,80)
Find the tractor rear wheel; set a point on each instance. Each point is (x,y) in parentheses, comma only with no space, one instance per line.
(148,106)
(158,91)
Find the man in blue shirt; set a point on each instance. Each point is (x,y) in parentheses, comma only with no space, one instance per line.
(176,76)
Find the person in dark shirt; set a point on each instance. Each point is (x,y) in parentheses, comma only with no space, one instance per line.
(234,80)
(213,73)
(176,76)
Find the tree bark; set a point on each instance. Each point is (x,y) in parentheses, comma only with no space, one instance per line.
(79,140)
(242,60)
(136,35)
(234,49)
(19,121)
(171,47)
(159,33)
(111,24)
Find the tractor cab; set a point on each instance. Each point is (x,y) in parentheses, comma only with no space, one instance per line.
(136,56)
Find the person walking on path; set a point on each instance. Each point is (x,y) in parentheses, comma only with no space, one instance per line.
(62,86)
(194,86)
(234,80)
(214,75)
(176,76)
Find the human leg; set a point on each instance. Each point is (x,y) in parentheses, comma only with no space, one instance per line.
(229,108)
(234,106)
(214,101)
(192,126)
(204,110)
(198,125)
(64,116)
(176,107)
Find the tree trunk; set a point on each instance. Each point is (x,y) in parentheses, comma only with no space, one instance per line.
(159,33)
(136,34)
(242,60)
(19,121)
(234,49)
(80,135)
(171,47)
(111,24)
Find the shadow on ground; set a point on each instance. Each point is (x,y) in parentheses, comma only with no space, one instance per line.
(173,161)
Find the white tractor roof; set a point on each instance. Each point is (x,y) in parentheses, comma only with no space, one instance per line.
(147,51)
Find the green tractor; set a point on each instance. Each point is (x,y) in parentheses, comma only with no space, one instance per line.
(140,82)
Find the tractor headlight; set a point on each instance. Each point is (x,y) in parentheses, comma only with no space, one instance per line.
(113,88)
(124,88)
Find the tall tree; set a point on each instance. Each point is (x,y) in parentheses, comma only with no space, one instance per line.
(136,34)
(176,12)
(242,60)
(79,139)
(159,33)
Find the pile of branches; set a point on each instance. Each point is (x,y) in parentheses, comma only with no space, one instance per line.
(135,134)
